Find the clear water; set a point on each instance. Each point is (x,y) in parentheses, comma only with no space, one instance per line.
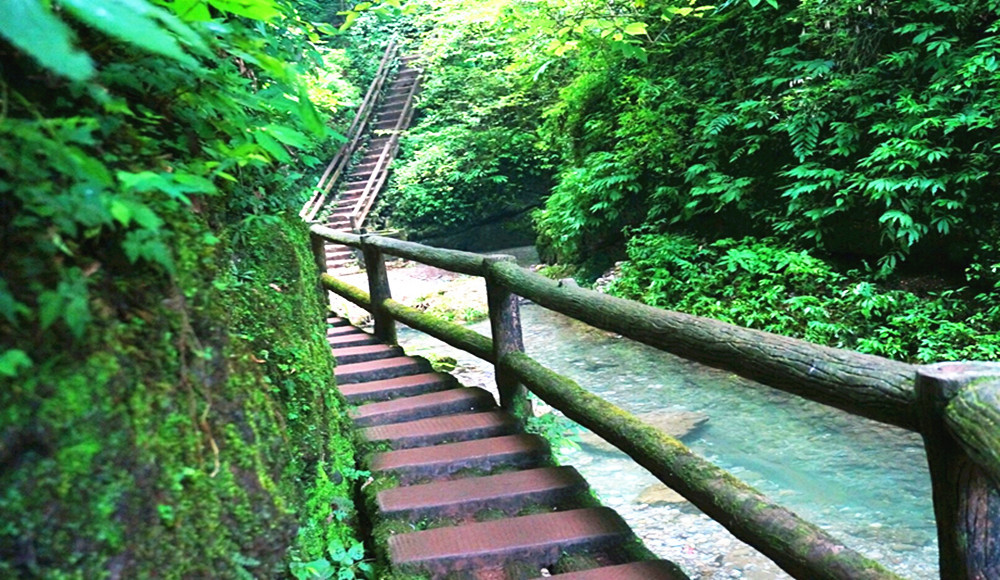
(864,482)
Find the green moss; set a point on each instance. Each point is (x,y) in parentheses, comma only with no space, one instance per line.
(195,432)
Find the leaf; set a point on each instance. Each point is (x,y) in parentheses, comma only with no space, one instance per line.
(288,136)
(12,361)
(191,10)
(10,308)
(31,27)
(146,244)
(635,28)
(255,9)
(271,145)
(132,21)
(307,113)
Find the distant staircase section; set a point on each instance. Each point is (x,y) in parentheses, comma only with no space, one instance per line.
(460,490)
(385,113)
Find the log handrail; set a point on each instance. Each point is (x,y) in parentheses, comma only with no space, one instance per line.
(954,406)
(354,134)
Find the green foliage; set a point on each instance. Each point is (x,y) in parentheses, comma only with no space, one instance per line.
(858,128)
(765,285)
(561,433)
(341,563)
(166,408)
(93,177)
(471,151)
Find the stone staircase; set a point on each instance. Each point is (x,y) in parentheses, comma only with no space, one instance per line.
(390,110)
(461,491)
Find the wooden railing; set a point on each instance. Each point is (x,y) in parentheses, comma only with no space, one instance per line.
(381,171)
(954,406)
(354,135)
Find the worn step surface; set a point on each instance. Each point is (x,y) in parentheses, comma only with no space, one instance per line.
(459,497)
(648,570)
(355,354)
(359,338)
(404,386)
(380,369)
(536,539)
(435,430)
(442,460)
(459,400)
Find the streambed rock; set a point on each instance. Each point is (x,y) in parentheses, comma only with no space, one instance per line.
(659,494)
(677,424)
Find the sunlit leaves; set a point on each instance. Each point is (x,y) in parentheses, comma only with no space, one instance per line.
(254,9)
(32,27)
(13,361)
(133,21)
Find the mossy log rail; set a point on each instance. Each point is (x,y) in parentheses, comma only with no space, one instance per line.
(954,406)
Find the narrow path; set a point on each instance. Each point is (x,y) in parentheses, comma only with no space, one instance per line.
(461,491)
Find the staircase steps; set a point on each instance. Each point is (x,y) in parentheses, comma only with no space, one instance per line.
(536,539)
(436,430)
(460,497)
(359,338)
(458,400)
(359,354)
(461,490)
(380,369)
(404,386)
(444,460)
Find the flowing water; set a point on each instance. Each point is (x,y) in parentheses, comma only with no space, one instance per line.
(865,483)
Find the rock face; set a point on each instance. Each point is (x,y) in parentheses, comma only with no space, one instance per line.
(677,424)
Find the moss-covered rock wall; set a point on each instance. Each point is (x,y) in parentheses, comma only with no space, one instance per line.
(197,434)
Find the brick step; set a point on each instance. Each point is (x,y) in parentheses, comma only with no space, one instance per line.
(462,497)
(366,166)
(538,540)
(459,400)
(340,254)
(380,369)
(407,79)
(355,354)
(402,85)
(443,460)
(338,322)
(435,430)
(648,570)
(347,202)
(398,93)
(393,109)
(358,338)
(405,386)
(340,329)
(394,100)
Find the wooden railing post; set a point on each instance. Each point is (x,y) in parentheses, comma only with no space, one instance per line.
(318,250)
(505,324)
(959,406)
(378,289)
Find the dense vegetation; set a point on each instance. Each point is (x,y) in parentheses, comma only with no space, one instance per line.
(863,133)
(166,407)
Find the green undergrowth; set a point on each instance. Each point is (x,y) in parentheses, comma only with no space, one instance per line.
(763,284)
